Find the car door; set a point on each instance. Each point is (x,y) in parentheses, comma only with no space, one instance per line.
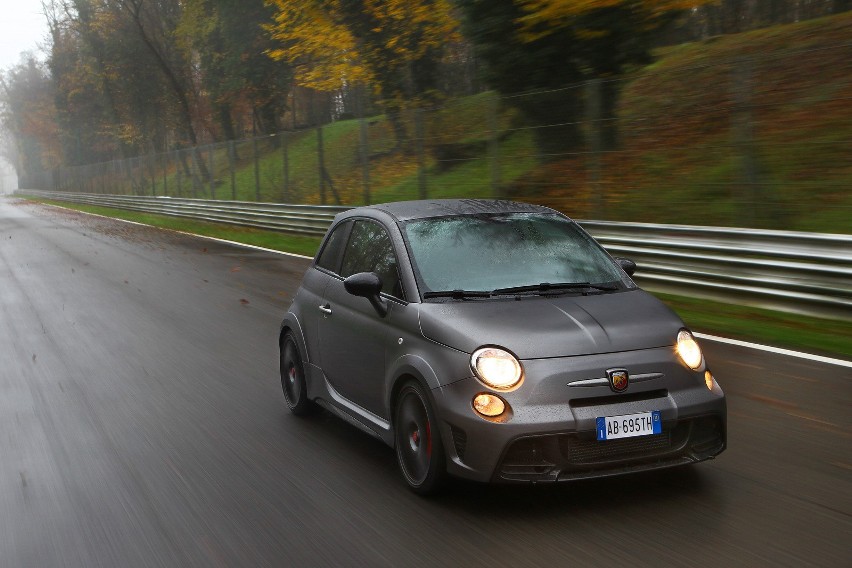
(312,291)
(352,334)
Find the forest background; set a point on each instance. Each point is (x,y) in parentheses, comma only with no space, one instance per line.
(608,108)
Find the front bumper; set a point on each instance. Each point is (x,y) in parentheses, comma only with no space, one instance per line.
(549,432)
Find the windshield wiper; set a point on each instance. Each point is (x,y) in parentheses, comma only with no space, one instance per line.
(457,294)
(547,287)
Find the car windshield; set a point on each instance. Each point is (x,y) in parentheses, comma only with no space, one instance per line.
(491,252)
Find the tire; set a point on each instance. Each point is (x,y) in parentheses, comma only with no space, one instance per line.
(293,381)
(419,450)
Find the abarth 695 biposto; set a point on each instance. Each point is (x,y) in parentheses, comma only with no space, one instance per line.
(495,341)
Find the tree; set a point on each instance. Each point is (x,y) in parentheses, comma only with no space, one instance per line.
(515,63)
(228,38)
(549,44)
(29,115)
(392,45)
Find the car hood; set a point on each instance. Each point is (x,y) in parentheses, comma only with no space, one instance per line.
(537,327)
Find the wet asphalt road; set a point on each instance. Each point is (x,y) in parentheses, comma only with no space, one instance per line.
(142,424)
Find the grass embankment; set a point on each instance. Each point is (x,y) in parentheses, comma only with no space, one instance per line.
(818,335)
(752,130)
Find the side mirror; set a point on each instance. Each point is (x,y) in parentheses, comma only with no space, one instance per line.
(367,285)
(627,265)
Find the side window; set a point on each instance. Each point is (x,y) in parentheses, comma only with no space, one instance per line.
(329,258)
(370,250)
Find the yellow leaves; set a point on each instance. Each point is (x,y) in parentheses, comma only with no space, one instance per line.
(542,17)
(323,51)
(319,37)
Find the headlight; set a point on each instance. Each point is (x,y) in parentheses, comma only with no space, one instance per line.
(496,367)
(688,349)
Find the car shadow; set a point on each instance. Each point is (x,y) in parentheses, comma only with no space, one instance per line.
(610,494)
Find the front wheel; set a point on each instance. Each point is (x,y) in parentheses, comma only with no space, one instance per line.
(293,378)
(419,450)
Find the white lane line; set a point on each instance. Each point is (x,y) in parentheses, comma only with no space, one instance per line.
(777,350)
(235,243)
(757,346)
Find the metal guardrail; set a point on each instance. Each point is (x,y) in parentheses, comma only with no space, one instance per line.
(784,270)
(790,271)
(300,219)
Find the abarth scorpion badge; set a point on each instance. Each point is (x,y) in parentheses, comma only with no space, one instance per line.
(618,379)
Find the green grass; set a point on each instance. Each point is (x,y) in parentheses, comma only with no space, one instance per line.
(268,239)
(803,333)
(816,335)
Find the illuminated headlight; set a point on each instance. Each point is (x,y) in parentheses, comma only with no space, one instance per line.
(688,349)
(496,367)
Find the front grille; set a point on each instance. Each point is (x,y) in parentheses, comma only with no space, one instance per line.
(593,451)
(577,455)
(586,450)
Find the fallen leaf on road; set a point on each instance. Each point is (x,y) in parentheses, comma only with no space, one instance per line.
(243,301)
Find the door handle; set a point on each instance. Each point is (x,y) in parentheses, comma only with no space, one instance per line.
(326,309)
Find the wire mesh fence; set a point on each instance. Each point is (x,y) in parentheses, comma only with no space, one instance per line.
(749,141)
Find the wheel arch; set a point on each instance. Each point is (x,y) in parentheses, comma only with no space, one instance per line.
(291,324)
(410,368)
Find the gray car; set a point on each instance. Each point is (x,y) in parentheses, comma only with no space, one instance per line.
(495,341)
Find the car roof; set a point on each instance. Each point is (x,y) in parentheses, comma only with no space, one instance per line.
(426,208)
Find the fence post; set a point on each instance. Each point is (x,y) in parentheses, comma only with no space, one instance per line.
(285,164)
(232,169)
(256,169)
(364,141)
(152,170)
(196,173)
(421,158)
(179,171)
(494,147)
(594,125)
(321,162)
(211,148)
(742,141)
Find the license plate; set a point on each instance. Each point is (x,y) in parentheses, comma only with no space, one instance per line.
(629,425)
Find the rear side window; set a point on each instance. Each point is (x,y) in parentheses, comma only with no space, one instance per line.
(370,250)
(329,258)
